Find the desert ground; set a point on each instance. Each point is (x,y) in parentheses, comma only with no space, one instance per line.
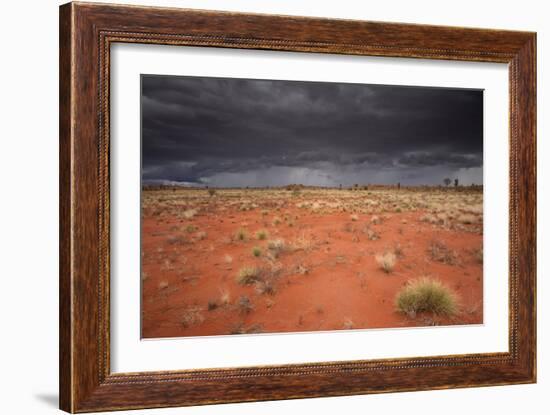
(242,261)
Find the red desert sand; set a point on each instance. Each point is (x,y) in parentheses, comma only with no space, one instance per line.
(219,262)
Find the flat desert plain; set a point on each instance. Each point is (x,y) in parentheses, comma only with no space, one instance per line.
(240,261)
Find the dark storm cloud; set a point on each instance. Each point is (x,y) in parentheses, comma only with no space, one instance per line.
(236,132)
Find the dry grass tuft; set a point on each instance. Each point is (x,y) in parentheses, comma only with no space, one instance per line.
(371,233)
(190,213)
(386,261)
(375,220)
(248,275)
(348,324)
(225,297)
(265,286)
(192,317)
(276,246)
(398,250)
(441,253)
(241,235)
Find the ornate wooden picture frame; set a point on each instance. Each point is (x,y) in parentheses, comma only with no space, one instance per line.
(87,32)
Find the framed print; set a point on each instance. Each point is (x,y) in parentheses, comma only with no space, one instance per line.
(260,207)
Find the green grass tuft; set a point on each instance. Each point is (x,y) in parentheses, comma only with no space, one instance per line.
(426,295)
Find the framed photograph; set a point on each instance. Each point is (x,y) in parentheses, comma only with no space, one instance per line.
(258,207)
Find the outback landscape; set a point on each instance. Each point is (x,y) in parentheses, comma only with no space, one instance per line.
(236,261)
(281,206)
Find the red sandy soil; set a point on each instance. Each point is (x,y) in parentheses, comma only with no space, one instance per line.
(344,287)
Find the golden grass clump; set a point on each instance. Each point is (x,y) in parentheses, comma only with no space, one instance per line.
(261,234)
(426,295)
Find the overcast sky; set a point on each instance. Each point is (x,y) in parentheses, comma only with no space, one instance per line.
(239,132)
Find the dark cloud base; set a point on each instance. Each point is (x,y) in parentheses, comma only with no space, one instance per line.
(242,132)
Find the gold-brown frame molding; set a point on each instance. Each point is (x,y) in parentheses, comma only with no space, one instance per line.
(86,33)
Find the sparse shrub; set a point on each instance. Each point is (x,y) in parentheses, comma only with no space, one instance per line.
(190,228)
(256,251)
(371,233)
(241,235)
(440,252)
(426,295)
(211,192)
(265,286)
(212,305)
(261,235)
(248,275)
(301,269)
(276,220)
(386,261)
(276,246)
